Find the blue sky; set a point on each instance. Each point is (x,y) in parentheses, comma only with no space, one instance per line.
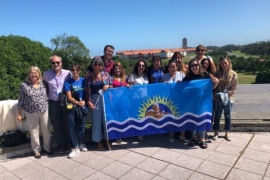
(140,24)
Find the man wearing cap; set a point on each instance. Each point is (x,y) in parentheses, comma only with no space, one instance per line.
(54,80)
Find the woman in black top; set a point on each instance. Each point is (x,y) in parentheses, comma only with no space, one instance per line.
(195,73)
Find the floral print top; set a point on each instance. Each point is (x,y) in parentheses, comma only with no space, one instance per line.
(33,100)
(93,86)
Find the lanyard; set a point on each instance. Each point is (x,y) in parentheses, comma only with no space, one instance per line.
(57,78)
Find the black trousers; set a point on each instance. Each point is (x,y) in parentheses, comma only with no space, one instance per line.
(59,120)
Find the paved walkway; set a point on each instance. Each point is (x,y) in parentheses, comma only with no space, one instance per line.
(247,156)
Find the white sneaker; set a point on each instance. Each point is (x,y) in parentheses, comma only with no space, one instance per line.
(215,137)
(74,152)
(83,148)
(118,141)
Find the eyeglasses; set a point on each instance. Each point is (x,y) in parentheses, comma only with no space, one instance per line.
(75,70)
(110,51)
(98,65)
(141,65)
(194,65)
(200,50)
(56,62)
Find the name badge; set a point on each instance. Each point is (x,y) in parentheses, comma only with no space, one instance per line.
(58,92)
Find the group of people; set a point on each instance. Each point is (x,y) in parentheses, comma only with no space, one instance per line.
(39,97)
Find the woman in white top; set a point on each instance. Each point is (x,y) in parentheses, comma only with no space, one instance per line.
(139,74)
(174,76)
(139,77)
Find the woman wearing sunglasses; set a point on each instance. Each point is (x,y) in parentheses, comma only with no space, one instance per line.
(97,80)
(200,50)
(196,73)
(139,77)
(75,93)
(139,74)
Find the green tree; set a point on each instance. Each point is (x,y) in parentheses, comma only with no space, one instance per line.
(17,54)
(72,50)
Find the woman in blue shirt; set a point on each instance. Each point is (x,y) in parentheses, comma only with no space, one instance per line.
(155,71)
(75,92)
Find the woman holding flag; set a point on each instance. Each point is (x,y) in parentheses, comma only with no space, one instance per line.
(97,81)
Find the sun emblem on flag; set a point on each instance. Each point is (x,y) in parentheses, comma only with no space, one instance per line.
(157,106)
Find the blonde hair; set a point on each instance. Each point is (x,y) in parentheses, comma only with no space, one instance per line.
(34,68)
(224,58)
(123,75)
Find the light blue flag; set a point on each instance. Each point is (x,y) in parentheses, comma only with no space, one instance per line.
(158,108)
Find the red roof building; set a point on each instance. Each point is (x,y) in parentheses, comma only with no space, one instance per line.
(149,53)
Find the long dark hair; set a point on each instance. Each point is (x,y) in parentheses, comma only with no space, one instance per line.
(135,69)
(210,68)
(190,72)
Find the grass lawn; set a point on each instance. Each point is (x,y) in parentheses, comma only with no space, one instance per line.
(244,78)
(238,53)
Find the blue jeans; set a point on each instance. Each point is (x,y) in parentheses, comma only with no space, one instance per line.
(77,130)
(201,134)
(219,107)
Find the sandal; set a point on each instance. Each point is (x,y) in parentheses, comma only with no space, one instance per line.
(193,143)
(100,146)
(203,144)
(37,155)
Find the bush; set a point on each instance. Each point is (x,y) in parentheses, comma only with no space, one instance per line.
(263,77)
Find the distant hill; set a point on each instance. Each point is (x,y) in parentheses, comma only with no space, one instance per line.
(258,48)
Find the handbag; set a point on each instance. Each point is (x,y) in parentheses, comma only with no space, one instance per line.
(64,102)
(223,97)
(63,99)
(80,113)
(13,138)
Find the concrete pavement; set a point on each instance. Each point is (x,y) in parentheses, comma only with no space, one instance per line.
(247,156)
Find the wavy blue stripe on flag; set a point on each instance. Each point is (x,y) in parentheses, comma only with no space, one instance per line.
(158,108)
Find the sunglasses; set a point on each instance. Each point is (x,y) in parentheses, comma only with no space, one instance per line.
(141,65)
(194,65)
(200,50)
(56,62)
(77,70)
(98,65)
